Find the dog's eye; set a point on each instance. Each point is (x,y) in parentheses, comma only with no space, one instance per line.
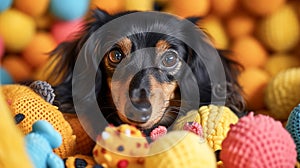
(170,58)
(115,56)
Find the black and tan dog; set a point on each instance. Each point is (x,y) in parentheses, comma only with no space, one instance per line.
(151,72)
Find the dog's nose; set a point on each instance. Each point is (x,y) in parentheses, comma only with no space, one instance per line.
(138,116)
(139,99)
(140,108)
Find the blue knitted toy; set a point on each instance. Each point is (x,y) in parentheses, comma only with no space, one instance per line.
(293,127)
(40,143)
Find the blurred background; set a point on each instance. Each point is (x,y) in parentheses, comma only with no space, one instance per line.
(263,36)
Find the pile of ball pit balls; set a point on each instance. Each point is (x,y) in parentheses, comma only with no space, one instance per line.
(262,35)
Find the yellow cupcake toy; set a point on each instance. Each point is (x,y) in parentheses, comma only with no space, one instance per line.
(180,149)
(121,147)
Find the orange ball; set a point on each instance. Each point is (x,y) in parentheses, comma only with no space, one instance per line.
(223,7)
(111,6)
(253,82)
(239,25)
(17,68)
(189,8)
(32,7)
(37,51)
(262,7)
(249,52)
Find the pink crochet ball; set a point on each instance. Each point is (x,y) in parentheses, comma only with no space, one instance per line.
(158,132)
(258,141)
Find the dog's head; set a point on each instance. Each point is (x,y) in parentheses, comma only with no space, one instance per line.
(147,70)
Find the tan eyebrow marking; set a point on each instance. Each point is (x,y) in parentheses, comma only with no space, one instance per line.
(162,46)
(125,45)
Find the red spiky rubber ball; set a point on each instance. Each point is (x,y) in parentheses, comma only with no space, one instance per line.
(258,141)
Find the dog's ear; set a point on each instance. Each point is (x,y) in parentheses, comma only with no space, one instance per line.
(194,19)
(67,51)
(66,54)
(233,98)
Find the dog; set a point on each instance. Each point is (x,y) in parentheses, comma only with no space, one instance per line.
(148,89)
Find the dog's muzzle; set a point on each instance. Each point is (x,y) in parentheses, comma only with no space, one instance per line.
(139,108)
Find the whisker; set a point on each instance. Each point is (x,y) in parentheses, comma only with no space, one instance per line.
(108,107)
(111,114)
(175,100)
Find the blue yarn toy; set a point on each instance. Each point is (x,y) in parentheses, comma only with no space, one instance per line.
(293,127)
(40,143)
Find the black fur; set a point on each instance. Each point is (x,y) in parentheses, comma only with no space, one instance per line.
(67,53)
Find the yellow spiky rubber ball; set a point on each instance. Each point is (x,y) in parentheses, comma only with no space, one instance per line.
(180,149)
(283,93)
(280,30)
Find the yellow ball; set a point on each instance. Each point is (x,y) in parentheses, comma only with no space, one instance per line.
(280,30)
(283,93)
(17,29)
(213,26)
(280,62)
(262,7)
(180,149)
(141,5)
